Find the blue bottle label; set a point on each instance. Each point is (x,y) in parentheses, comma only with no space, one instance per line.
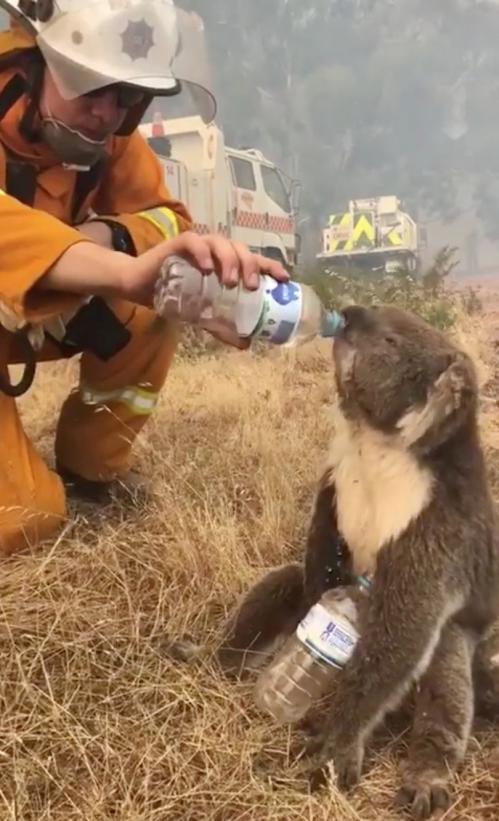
(281,311)
(331,638)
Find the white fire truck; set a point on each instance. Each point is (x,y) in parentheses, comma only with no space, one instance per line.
(236,192)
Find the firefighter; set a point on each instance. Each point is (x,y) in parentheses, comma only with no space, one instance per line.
(86,221)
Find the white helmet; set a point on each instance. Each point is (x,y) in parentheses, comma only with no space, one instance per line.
(147,44)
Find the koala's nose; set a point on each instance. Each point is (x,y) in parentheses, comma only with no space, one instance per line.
(358,318)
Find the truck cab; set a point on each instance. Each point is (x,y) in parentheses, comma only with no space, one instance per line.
(236,192)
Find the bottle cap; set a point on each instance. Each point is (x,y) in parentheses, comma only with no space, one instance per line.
(332,324)
(364,582)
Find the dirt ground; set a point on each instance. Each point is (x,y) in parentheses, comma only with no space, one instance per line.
(97,723)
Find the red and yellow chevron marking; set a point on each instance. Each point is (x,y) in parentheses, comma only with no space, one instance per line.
(260,222)
(248,219)
(202,228)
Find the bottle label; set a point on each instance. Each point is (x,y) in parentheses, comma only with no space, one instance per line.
(332,638)
(281,311)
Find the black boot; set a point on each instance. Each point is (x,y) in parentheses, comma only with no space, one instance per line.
(130,489)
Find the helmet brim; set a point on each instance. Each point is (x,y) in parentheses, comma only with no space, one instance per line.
(179,67)
(74,81)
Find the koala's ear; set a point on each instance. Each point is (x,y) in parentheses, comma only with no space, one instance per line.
(450,400)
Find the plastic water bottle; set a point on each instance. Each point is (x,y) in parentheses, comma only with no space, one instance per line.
(302,672)
(282,313)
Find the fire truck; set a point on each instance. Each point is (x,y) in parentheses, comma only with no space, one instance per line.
(236,192)
(374,234)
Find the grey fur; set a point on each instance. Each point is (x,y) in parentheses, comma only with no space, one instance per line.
(407,393)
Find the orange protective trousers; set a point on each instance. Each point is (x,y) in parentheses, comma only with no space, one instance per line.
(97,427)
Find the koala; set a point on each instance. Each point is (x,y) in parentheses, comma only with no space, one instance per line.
(403,497)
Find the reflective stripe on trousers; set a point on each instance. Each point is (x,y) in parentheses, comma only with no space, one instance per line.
(139,400)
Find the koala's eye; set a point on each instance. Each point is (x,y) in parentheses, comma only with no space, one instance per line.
(391,340)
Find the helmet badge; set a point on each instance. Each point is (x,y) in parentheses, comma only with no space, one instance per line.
(137,39)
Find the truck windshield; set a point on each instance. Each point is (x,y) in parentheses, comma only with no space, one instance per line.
(275,189)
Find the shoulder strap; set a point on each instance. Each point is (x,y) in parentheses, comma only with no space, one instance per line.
(20,180)
(86,181)
(14,89)
(20,176)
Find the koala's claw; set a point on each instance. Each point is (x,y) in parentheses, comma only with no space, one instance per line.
(345,766)
(318,778)
(423,796)
(348,768)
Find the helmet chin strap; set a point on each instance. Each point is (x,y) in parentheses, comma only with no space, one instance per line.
(75,150)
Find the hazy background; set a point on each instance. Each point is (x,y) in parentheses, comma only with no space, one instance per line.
(358,98)
(367,97)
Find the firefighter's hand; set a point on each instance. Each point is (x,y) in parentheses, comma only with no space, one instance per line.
(232,261)
(88,269)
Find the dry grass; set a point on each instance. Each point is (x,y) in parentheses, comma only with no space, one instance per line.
(97,723)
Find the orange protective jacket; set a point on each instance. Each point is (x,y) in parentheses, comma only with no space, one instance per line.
(131,191)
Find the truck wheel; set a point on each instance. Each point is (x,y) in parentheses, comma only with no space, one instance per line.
(412,265)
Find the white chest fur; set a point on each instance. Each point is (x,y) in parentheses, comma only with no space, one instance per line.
(380,489)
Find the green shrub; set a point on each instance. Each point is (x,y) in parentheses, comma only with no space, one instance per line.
(427,295)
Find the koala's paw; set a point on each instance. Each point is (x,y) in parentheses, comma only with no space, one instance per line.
(423,794)
(342,762)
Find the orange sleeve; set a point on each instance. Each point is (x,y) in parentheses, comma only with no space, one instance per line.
(31,242)
(133,193)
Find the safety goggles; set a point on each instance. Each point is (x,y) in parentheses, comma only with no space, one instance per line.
(126,96)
